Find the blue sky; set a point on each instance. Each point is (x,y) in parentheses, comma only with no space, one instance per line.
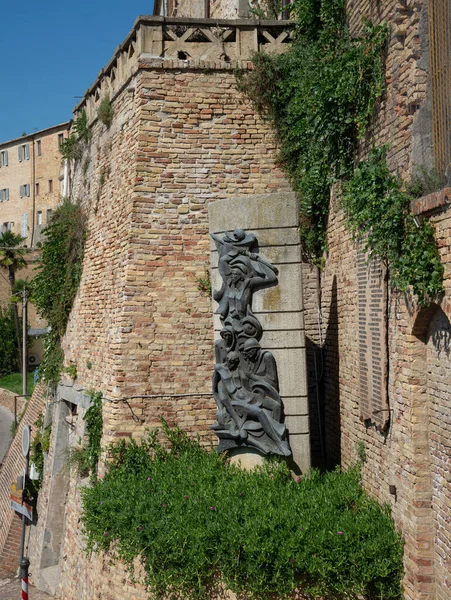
(53,51)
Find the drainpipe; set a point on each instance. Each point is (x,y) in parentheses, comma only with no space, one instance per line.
(33,187)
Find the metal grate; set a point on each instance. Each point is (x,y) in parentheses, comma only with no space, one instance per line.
(439,25)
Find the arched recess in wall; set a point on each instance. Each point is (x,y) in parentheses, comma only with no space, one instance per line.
(430,362)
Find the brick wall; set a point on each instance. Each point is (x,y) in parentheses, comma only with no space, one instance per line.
(182,137)
(12,467)
(413,455)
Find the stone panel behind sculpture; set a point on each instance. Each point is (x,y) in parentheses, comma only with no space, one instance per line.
(245,380)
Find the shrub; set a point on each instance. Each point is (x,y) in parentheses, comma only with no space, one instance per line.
(197,522)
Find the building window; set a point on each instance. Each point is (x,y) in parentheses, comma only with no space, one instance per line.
(50,186)
(38,148)
(23,152)
(4,158)
(60,140)
(39,217)
(36,189)
(24,225)
(49,215)
(4,194)
(24,190)
(7,226)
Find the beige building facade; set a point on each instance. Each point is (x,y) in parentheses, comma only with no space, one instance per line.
(31,181)
(214,9)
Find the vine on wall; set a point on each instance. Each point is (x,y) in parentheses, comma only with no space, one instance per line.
(377,207)
(85,457)
(320,97)
(56,284)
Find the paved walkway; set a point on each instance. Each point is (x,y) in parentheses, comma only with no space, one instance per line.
(10,589)
(6,418)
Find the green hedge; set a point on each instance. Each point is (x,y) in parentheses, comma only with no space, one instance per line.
(197,521)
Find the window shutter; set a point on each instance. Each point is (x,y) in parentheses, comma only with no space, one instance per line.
(19,151)
(26,152)
(1,195)
(27,189)
(21,191)
(7,194)
(24,224)
(6,158)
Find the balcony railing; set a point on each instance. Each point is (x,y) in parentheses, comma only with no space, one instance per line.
(163,42)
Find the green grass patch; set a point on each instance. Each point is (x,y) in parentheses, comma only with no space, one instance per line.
(13,383)
(196,522)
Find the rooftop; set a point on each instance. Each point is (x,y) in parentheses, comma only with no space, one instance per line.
(35,134)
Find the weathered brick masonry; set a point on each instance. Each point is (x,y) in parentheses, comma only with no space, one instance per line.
(414,453)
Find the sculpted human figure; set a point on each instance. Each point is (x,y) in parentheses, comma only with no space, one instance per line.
(242,272)
(260,362)
(224,345)
(249,403)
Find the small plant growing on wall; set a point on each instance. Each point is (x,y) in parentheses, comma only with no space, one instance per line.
(105,111)
(204,283)
(73,146)
(84,458)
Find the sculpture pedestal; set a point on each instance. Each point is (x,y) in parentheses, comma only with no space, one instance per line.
(246,458)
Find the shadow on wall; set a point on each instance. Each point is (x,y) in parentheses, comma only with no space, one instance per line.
(324,392)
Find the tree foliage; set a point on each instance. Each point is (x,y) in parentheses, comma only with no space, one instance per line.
(8,342)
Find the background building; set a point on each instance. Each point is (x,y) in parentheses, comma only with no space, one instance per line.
(205,9)
(31,181)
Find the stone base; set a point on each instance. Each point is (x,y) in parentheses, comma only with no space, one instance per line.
(246,458)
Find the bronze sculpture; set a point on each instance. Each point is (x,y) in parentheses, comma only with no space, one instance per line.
(245,380)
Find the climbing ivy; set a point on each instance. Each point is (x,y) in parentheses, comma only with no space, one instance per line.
(72,147)
(57,280)
(84,458)
(378,208)
(319,97)
(94,427)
